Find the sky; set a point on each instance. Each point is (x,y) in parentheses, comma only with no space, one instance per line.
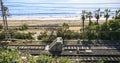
(64,1)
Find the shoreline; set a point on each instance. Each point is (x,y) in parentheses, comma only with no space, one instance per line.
(48,18)
(47,21)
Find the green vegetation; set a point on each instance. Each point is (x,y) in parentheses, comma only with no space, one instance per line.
(64,60)
(97,15)
(117,14)
(100,61)
(1,26)
(89,15)
(61,32)
(22,35)
(106,14)
(2,35)
(16,35)
(111,31)
(46,38)
(83,18)
(67,34)
(42,35)
(44,59)
(24,27)
(94,31)
(8,56)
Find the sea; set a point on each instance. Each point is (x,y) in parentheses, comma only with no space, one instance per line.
(67,10)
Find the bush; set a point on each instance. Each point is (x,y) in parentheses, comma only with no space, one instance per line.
(105,31)
(24,27)
(23,35)
(46,38)
(8,56)
(2,35)
(42,35)
(16,35)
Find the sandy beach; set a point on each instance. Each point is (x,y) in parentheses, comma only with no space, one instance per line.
(74,23)
(46,21)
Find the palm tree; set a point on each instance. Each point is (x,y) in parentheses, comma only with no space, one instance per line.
(83,18)
(117,14)
(97,15)
(89,15)
(106,14)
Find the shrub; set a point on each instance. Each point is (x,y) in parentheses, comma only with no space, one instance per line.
(24,27)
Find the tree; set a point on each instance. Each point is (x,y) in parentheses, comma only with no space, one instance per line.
(83,18)
(52,36)
(106,14)
(91,31)
(61,31)
(117,14)
(89,15)
(65,27)
(113,30)
(97,15)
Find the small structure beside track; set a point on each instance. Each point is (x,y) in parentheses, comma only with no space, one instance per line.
(87,51)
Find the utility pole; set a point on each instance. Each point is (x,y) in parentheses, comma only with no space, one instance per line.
(4,16)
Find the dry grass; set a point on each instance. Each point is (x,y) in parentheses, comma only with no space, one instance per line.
(47,22)
(41,22)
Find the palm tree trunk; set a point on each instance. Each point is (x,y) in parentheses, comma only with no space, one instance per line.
(106,23)
(106,20)
(89,36)
(97,21)
(89,21)
(83,26)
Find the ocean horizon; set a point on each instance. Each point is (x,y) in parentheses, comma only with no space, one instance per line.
(67,10)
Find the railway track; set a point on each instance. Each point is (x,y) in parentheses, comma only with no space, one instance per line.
(27,47)
(87,53)
(72,49)
(92,57)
